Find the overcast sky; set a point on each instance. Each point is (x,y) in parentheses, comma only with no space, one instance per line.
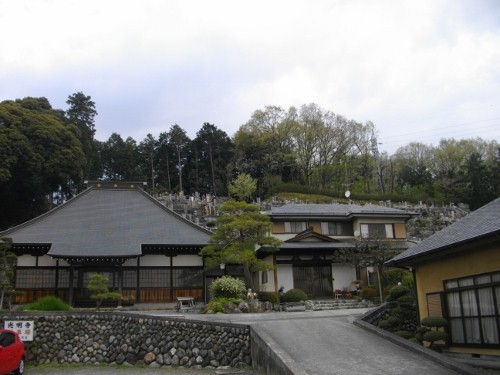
(419,70)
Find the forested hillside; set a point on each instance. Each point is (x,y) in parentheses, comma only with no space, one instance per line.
(46,155)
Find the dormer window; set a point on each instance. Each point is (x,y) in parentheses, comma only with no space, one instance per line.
(337,228)
(377,231)
(295,226)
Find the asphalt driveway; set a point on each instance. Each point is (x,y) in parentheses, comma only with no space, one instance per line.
(327,343)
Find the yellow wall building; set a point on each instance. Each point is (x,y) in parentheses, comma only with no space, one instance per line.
(457,275)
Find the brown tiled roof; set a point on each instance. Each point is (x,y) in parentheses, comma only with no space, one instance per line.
(482,223)
(108,223)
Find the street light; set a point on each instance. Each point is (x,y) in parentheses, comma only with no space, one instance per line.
(223,267)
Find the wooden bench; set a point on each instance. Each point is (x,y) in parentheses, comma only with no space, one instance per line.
(185,304)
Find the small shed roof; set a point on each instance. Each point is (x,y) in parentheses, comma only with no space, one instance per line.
(479,224)
(108,222)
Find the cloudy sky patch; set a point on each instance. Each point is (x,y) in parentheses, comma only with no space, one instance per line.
(419,70)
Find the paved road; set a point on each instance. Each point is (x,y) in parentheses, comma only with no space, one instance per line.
(327,343)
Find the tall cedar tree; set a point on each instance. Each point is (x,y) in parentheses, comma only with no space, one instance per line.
(241,228)
(8,261)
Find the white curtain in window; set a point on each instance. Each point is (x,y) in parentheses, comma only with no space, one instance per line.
(488,324)
(364,230)
(457,331)
(469,306)
(324,228)
(288,227)
(389,232)
(469,303)
(486,301)
(454,304)
(472,333)
(490,330)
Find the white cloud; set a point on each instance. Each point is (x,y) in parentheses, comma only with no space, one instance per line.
(404,65)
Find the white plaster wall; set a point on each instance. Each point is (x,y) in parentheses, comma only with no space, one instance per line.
(46,261)
(155,261)
(26,261)
(285,276)
(130,262)
(187,260)
(344,275)
(269,286)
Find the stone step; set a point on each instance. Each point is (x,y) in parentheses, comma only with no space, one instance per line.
(338,304)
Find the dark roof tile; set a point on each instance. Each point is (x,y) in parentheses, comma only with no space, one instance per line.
(109,223)
(483,222)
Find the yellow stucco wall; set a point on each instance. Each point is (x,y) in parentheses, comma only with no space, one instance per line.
(473,261)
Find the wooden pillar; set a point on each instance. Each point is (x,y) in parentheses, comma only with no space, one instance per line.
(70,293)
(138,280)
(275,270)
(120,283)
(171,278)
(57,280)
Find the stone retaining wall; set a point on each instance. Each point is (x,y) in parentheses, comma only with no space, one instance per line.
(119,338)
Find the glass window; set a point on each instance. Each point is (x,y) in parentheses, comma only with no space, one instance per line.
(473,309)
(377,231)
(188,278)
(35,278)
(154,278)
(295,226)
(129,279)
(337,228)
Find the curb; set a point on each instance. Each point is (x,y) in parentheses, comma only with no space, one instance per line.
(443,360)
(268,356)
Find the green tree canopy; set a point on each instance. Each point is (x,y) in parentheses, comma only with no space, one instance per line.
(243,186)
(40,155)
(241,228)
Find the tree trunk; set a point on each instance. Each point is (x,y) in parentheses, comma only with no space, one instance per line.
(380,285)
(248,275)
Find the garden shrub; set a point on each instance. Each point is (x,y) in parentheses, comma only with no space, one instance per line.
(294,295)
(272,297)
(431,332)
(227,287)
(395,276)
(406,299)
(434,321)
(48,303)
(397,292)
(432,336)
(369,292)
(405,334)
(216,305)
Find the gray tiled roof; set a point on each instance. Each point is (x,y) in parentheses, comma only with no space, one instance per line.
(481,223)
(335,209)
(108,223)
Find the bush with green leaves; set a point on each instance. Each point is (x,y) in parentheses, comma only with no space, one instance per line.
(98,288)
(216,305)
(369,293)
(397,292)
(227,287)
(272,297)
(293,295)
(48,303)
(405,334)
(434,322)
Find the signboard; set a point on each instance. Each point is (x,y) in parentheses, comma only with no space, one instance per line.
(24,328)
